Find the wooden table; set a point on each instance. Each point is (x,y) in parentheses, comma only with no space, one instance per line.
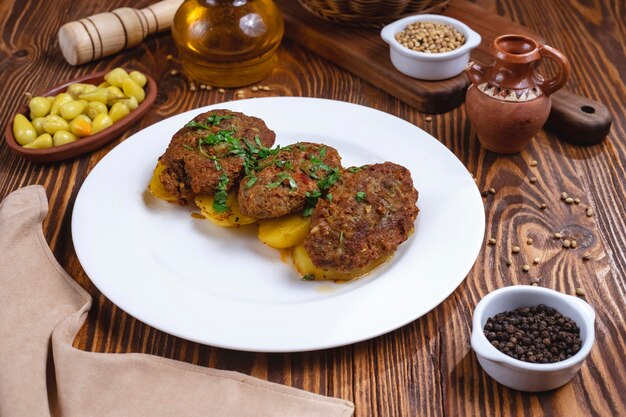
(426,367)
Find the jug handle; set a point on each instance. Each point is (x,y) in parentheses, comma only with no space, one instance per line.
(475,73)
(555,83)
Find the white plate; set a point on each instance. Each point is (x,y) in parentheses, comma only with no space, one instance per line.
(224,288)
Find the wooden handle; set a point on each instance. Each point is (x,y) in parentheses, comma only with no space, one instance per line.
(107,33)
(577,119)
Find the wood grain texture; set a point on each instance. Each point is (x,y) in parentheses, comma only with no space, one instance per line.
(427,367)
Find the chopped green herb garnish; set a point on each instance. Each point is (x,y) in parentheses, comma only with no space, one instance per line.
(212,120)
(354,169)
(308,277)
(307,212)
(323,151)
(221,197)
(341,238)
(282,176)
(251,182)
(329,197)
(360,195)
(330,180)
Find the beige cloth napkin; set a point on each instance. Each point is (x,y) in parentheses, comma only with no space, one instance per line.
(42,309)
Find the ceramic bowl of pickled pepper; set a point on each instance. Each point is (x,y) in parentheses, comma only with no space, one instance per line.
(532,375)
(19,130)
(430,46)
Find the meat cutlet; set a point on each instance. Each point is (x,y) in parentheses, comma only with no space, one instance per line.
(372,211)
(282,182)
(209,151)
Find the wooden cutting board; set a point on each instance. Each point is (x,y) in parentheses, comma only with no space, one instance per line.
(362,51)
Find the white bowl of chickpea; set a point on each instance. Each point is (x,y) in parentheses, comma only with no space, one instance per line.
(430,46)
(80,115)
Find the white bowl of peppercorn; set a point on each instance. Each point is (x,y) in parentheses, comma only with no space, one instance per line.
(430,46)
(531,338)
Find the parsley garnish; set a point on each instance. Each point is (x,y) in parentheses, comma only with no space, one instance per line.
(329,197)
(220,198)
(282,176)
(360,195)
(354,169)
(308,277)
(251,182)
(212,120)
(330,180)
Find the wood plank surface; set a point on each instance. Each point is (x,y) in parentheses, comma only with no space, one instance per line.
(427,367)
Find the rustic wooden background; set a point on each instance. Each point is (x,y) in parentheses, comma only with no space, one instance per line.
(427,367)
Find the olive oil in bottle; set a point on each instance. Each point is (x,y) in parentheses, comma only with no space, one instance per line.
(228,43)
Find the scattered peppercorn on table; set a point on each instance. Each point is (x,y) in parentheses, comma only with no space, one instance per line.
(555,212)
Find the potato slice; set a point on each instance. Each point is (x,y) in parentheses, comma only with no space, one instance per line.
(230,218)
(156,187)
(284,232)
(304,265)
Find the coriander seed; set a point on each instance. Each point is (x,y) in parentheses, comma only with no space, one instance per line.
(536,261)
(533,163)
(515,249)
(557,235)
(430,37)
(574,244)
(533,180)
(589,212)
(221,91)
(526,268)
(543,206)
(492,241)
(174,72)
(586,257)
(567,243)
(428,119)
(580,292)
(564,195)
(255,88)
(492,190)
(529,241)
(569,200)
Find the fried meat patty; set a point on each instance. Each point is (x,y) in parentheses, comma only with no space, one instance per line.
(286,178)
(202,151)
(372,211)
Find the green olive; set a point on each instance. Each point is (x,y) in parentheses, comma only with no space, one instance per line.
(116,77)
(72,109)
(94,108)
(60,100)
(52,124)
(42,142)
(99,94)
(38,125)
(139,78)
(118,111)
(101,122)
(39,107)
(23,130)
(63,137)
(81,126)
(132,89)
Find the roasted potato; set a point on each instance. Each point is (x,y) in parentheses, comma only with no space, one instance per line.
(305,267)
(284,232)
(230,218)
(156,187)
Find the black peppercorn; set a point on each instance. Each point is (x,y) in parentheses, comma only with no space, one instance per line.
(538,334)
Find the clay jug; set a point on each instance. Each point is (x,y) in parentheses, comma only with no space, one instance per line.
(508,101)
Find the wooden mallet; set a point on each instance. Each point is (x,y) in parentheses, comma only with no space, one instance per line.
(104,34)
